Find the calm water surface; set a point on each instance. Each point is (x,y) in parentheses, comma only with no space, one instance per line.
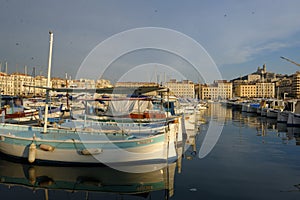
(254,158)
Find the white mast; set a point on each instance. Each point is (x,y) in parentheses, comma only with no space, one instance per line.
(48,82)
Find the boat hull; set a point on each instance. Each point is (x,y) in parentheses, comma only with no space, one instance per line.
(293,120)
(282,117)
(89,148)
(271,113)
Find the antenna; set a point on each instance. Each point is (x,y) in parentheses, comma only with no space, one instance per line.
(6,67)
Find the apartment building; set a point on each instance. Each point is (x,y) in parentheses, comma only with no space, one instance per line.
(296,85)
(183,88)
(218,90)
(265,90)
(246,90)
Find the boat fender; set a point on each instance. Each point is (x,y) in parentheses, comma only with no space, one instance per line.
(32,153)
(94,151)
(44,181)
(31,175)
(89,181)
(176,121)
(46,147)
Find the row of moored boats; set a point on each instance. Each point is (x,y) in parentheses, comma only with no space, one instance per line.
(284,111)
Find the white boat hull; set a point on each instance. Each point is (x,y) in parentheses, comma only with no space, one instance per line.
(283,116)
(271,113)
(159,147)
(293,120)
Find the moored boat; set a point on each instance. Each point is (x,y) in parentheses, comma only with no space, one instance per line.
(87,147)
(289,107)
(294,117)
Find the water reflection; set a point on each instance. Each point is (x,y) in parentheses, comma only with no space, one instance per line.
(264,126)
(87,180)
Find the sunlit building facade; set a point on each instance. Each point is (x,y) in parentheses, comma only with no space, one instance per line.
(185,88)
(246,90)
(218,90)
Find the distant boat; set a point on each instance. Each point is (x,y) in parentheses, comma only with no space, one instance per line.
(275,107)
(294,117)
(13,111)
(282,117)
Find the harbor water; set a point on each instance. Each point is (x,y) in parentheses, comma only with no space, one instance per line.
(254,158)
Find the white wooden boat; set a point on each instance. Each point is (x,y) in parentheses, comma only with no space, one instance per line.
(272,113)
(282,117)
(289,107)
(294,117)
(86,147)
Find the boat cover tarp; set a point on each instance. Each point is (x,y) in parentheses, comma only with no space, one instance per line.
(125,107)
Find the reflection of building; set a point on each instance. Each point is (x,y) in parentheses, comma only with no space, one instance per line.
(183,88)
(220,113)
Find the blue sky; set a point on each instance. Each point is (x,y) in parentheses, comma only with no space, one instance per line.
(238,35)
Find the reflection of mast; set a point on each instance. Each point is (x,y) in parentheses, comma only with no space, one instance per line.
(46,194)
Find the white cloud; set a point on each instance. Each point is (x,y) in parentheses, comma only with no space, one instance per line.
(247,31)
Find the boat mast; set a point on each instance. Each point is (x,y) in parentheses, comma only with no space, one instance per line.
(48,82)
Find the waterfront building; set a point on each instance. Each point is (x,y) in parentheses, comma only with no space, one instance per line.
(40,81)
(296,85)
(183,88)
(284,87)
(59,82)
(17,84)
(265,90)
(19,80)
(221,89)
(246,90)
(83,83)
(6,84)
(102,83)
